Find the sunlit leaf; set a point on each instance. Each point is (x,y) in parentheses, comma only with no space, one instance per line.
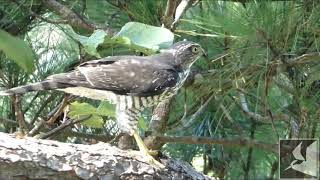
(147,36)
(91,43)
(142,124)
(133,35)
(94,121)
(106,109)
(78,109)
(17,50)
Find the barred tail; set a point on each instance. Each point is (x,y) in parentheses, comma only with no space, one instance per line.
(44,85)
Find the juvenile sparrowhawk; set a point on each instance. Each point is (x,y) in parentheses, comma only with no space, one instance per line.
(131,82)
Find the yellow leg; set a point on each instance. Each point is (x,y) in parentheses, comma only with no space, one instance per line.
(144,150)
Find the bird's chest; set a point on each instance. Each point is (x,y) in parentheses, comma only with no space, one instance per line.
(169,92)
(181,79)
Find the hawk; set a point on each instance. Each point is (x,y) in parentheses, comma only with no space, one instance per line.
(131,82)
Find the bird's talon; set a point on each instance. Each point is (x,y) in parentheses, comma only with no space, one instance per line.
(153,161)
(153,152)
(144,150)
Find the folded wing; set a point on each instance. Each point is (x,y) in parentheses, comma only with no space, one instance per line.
(127,75)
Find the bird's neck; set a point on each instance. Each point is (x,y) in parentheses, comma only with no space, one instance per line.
(166,58)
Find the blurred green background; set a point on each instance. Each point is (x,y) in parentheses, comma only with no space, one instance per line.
(260,83)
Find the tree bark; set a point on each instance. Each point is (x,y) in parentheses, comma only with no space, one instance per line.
(31,158)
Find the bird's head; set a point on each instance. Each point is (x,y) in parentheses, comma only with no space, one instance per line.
(186,53)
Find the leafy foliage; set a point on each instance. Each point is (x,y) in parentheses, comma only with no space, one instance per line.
(17,50)
(261,81)
(133,35)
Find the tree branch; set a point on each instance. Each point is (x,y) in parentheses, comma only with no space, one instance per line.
(256,116)
(73,18)
(185,123)
(224,142)
(181,8)
(305,58)
(158,123)
(19,114)
(64,125)
(31,158)
(167,19)
(8,121)
(67,14)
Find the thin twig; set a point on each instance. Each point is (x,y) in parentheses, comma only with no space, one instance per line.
(9,121)
(54,114)
(31,102)
(263,119)
(64,125)
(19,114)
(230,119)
(42,107)
(36,127)
(59,111)
(187,122)
(305,58)
(269,42)
(221,141)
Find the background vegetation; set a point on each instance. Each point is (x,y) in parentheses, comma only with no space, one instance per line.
(260,83)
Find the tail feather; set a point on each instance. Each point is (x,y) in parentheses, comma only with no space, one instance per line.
(44,85)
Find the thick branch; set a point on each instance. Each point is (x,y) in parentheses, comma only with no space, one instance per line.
(180,10)
(19,114)
(45,159)
(73,18)
(167,19)
(158,123)
(68,14)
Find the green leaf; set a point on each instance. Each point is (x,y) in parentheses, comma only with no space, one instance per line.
(142,124)
(78,109)
(138,36)
(94,121)
(17,50)
(146,36)
(91,43)
(106,109)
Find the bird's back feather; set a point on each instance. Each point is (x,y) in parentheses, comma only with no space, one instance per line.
(122,75)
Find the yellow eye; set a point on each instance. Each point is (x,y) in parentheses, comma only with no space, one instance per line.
(195,49)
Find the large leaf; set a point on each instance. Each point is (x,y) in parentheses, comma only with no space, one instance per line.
(94,121)
(17,50)
(91,43)
(77,110)
(134,35)
(147,36)
(106,109)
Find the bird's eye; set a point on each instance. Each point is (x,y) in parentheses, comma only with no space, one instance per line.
(195,49)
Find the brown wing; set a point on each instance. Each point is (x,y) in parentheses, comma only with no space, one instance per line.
(133,75)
